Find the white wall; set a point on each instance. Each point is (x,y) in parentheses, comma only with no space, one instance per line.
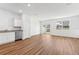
(72,32)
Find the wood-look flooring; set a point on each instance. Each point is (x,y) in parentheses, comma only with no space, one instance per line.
(42,45)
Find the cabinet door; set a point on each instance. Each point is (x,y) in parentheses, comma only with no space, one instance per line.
(7,37)
(3,38)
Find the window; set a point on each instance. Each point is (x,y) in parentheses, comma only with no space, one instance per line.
(62,25)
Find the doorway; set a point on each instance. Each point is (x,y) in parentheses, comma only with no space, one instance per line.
(45,28)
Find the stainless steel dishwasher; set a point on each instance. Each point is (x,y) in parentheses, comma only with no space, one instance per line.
(18,34)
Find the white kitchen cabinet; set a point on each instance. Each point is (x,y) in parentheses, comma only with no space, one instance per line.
(18,21)
(6,37)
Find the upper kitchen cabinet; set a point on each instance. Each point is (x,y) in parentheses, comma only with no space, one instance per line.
(18,21)
(6,19)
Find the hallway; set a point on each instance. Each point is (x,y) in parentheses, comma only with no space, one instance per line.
(42,45)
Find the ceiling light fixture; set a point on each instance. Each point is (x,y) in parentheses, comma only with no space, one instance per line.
(28,5)
(20,11)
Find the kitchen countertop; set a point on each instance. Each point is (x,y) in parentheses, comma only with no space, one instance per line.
(3,31)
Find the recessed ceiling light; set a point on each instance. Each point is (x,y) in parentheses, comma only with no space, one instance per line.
(20,11)
(28,5)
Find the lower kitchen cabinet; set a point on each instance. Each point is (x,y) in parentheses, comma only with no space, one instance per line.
(6,37)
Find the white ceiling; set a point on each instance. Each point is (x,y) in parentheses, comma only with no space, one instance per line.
(43,10)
